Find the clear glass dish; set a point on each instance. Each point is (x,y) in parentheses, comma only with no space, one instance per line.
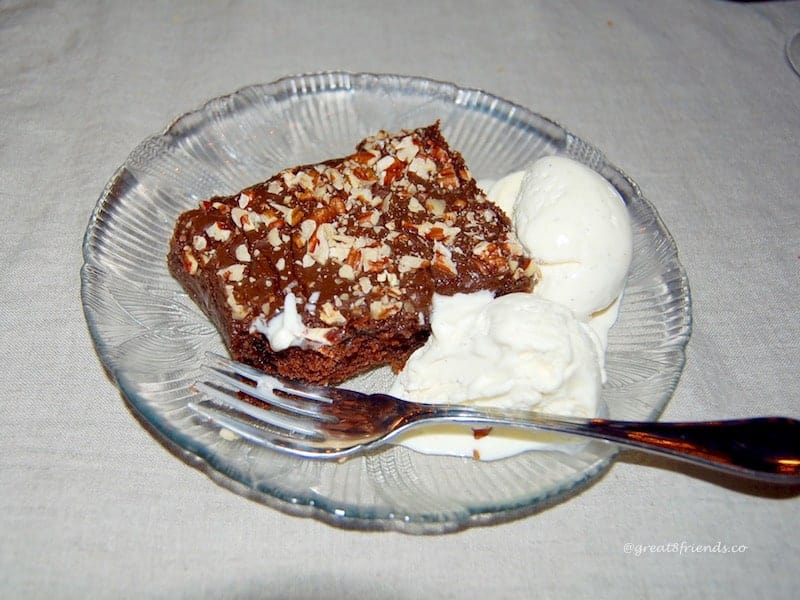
(151,338)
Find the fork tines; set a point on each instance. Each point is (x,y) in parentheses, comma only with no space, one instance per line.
(289,407)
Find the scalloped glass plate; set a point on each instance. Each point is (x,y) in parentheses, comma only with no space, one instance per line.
(151,338)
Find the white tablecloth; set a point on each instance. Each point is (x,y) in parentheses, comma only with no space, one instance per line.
(693,98)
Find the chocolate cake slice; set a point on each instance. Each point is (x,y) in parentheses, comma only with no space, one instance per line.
(324,271)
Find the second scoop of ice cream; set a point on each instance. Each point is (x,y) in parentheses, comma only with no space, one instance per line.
(516,351)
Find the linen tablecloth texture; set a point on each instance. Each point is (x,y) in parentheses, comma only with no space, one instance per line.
(693,98)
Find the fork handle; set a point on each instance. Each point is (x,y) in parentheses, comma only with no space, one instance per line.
(765,448)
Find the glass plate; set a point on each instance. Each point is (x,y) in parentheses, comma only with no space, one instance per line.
(151,338)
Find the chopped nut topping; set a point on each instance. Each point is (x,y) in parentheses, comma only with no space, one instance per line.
(365,284)
(406,149)
(189,261)
(422,167)
(414,206)
(436,206)
(443,259)
(274,237)
(318,245)
(410,263)
(330,315)
(237,214)
(307,229)
(232,273)
(362,195)
(216,232)
(384,163)
(242,253)
(347,272)
(238,311)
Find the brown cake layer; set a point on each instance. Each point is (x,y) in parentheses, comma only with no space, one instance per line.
(347,254)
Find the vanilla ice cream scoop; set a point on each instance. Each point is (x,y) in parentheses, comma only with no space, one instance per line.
(575,226)
(515,351)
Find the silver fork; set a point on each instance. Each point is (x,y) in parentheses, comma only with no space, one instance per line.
(334,423)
